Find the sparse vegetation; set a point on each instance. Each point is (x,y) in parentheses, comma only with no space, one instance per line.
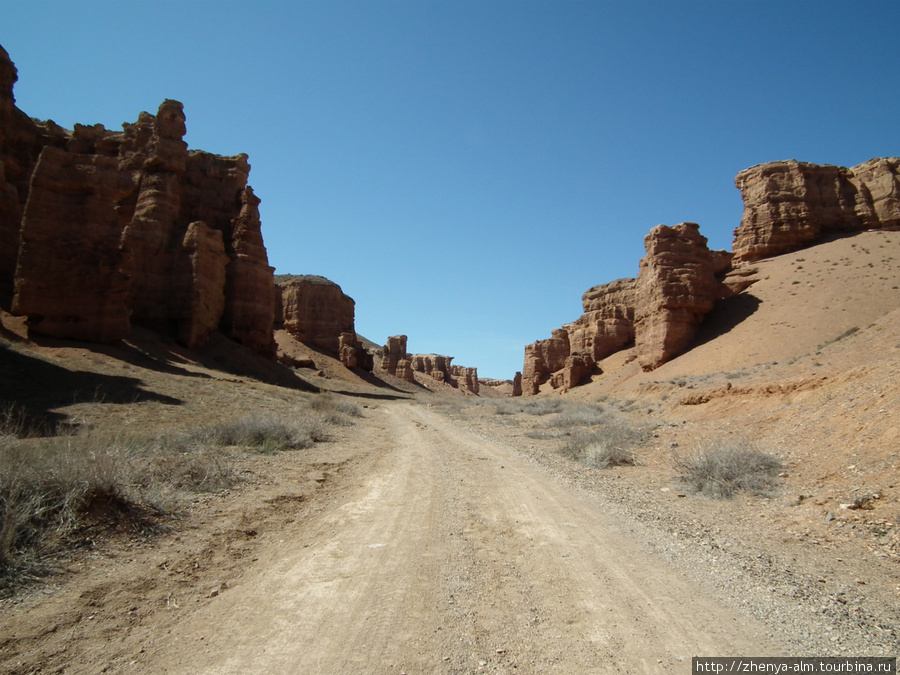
(59,493)
(611,445)
(721,470)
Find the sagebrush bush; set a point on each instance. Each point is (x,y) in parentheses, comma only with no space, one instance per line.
(581,415)
(721,470)
(612,444)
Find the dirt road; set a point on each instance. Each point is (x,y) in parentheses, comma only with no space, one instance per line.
(453,556)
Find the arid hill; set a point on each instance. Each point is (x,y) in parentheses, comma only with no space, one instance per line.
(788,206)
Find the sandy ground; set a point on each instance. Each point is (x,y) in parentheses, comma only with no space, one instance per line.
(442,552)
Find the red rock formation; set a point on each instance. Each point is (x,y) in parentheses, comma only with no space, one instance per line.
(21,141)
(789,205)
(69,279)
(517,384)
(543,358)
(607,324)
(353,353)
(249,314)
(128,227)
(676,288)
(434,366)
(395,361)
(466,378)
(316,311)
(205,294)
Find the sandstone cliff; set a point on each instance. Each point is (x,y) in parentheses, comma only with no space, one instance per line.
(659,312)
(791,204)
(676,289)
(101,229)
(316,312)
(397,362)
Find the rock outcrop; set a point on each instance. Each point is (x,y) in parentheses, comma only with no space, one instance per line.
(466,378)
(789,204)
(100,230)
(316,311)
(21,141)
(676,288)
(395,361)
(607,324)
(517,384)
(543,358)
(659,312)
(435,366)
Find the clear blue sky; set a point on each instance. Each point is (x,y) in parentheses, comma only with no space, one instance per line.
(465,170)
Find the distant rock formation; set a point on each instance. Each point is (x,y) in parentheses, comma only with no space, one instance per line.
(316,312)
(676,288)
(789,204)
(395,361)
(659,312)
(435,366)
(466,378)
(100,230)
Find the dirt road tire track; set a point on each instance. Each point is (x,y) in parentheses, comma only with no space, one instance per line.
(455,556)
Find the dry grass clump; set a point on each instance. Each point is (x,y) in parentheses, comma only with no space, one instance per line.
(60,493)
(581,415)
(63,492)
(722,470)
(612,444)
(538,406)
(266,433)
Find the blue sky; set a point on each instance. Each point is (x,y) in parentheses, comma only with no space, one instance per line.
(466,170)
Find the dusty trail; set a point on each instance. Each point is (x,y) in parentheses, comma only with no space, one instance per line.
(455,556)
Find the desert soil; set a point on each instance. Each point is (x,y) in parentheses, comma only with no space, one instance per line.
(441,552)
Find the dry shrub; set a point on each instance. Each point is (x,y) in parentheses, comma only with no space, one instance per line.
(722,470)
(267,433)
(581,415)
(537,406)
(612,444)
(61,493)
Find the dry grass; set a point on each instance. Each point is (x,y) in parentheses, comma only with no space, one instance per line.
(59,493)
(721,470)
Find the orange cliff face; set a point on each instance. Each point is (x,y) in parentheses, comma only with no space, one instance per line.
(788,205)
(100,230)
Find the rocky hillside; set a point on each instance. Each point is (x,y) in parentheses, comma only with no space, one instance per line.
(787,206)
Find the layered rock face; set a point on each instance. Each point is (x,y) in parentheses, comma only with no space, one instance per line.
(569,356)
(542,358)
(21,141)
(466,378)
(676,288)
(395,361)
(660,312)
(607,324)
(129,227)
(435,366)
(789,205)
(316,311)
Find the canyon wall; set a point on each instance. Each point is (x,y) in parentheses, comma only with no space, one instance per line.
(100,230)
(789,204)
(316,312)
(659,312)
